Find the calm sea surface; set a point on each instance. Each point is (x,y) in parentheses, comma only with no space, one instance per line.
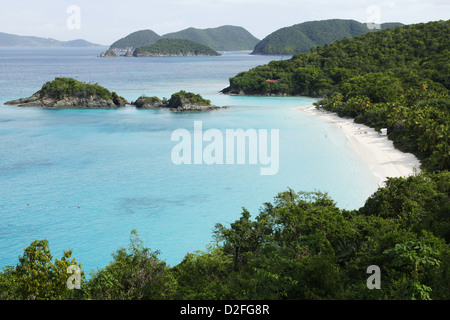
(91,176)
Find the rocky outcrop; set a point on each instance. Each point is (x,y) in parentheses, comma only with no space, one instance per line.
(91,102)
(183,101)
(148,103)
(109,53)
(33,101)
(181,54)
(127,54)
(192,107)
(70,93)
(179,102)
(232,91)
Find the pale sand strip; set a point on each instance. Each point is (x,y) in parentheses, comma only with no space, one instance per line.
(376,151)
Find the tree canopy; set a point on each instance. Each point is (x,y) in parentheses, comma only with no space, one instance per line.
(224,38)
(396,78)
(299,246)
(135,40)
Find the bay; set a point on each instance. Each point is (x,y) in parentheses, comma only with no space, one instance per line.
(83,179)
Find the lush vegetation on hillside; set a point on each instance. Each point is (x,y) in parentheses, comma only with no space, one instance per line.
(135,40)
(301,37)
(182,96)
(178,99)
(68,87)
(396,78)
(300,246)
(175,47)
(224,38)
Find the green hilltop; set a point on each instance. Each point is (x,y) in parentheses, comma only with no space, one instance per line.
(224,38)
(396,78)
(301,37)
(135,40)
(174,47)
(71,93)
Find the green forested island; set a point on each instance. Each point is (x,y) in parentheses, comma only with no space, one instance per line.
(71,93)
(135,40)
(301,37)
(174,47)
(180,101)
(223,38)
(12,40)
(396,78)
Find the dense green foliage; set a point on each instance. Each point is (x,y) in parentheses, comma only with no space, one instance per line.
(135,40)
(175,47)
(300,246)
(178,99)
(396,78)
(36,276)
(136,273)
(68,87)
(224,38)
(302,37)
(187,97)
(153,99)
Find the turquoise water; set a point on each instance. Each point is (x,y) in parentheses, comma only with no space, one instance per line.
(91,176)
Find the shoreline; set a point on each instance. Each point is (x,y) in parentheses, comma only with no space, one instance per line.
(377,152)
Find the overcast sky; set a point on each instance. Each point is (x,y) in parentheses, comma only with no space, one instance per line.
(104,22)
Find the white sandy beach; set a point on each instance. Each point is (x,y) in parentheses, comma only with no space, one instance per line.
(376,151)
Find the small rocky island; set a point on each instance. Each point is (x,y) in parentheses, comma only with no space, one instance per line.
(166,48)
(181,101)
(110,53)
(174,47)
(71,93)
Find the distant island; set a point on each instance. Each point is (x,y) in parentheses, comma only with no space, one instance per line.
(71,93)
(180,102)
(291,40)
(224,38)
(166,48)
(302,37)
(135,40)
(174,47)
(11,40)
(397,78)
